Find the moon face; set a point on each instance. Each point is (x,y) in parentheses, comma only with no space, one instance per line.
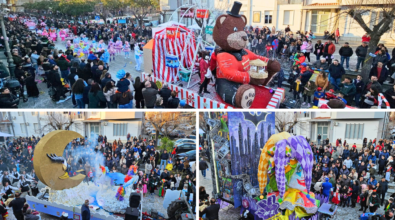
(48,171)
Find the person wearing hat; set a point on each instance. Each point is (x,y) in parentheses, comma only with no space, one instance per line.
(374,202)
(318,94)
(348,89)
(361,52)
(345,52)
(326,187)
(321,64)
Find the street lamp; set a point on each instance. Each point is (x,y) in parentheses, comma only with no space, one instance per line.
(11,65)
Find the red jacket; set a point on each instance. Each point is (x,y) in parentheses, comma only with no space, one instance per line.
(331,48)
(228,67)
(213,61)
(365,38)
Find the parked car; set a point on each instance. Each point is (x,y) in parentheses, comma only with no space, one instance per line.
(184,140)
(191,136)
(190,154)
(194,132)
(184,147)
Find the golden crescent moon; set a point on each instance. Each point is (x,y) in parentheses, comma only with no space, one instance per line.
(48,171)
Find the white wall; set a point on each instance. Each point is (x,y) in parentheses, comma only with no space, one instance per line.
(297,9)
(371,130)
(133,127)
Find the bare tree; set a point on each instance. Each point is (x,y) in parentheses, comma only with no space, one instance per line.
(56,121)
(376,27)
(167,122)
(286,121)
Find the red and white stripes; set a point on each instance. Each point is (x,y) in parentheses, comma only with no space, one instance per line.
(184,47)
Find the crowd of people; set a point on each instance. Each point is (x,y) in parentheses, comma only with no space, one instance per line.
(331,81)
(82,71)
(349,175)
(157,169)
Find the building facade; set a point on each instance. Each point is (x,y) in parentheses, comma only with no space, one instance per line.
(350,126)
(115,125)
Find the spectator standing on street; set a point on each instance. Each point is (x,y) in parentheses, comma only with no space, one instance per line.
(337,36)
(348,90)
(163,159)
(380,71)
(203,167)
(319,138)
(85,212)
(211,211)
(346,52)
(318,49)
(17,205)
(361,52)
(359,86)
(149,95)
(329,50)
(336,72)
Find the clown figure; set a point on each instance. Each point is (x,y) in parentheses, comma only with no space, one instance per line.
(126,49)
(85,50)
(101,45)
(288,162)
(118,46)
(138,54)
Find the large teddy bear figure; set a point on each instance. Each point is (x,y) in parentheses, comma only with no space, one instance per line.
(234,83)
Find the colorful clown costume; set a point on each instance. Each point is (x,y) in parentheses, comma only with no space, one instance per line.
(288,161)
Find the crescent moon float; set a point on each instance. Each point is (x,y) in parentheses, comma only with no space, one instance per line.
(46,170)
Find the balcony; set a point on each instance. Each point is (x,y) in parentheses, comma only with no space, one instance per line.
(289,2)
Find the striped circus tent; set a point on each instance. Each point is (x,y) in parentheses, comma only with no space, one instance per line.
(181,45)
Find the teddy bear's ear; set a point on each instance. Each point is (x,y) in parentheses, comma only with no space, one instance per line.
(244,19)
(221,19)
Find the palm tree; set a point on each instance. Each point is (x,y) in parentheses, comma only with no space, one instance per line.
(166,144)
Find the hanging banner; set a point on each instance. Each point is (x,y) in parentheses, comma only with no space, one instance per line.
(202,13)
(121,21)
(209,29)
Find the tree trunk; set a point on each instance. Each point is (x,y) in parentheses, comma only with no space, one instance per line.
(365,71)
(156,137)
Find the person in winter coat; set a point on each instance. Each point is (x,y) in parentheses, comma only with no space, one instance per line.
(344,170)
(318,49)
(297,89)
(348,90)
(308,91)
(345,53)
(374,202)
(321,64)
(96,97)
(108,91)
(354,193)
(361,52)
(322,80)
(7,99)
(165,93)
(359,86)
(293,76)
(308,50)
(328,51)
(380,71)
(31,86)
(336,72)
(381,56)
(384,188)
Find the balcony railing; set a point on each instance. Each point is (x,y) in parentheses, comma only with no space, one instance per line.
(289,2)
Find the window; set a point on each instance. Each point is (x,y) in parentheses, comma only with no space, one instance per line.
(288,17)
(95,128)
(120,129)
(322,129)
(354,131)
(23,128)
(36,128)
(268,17)
(307,114)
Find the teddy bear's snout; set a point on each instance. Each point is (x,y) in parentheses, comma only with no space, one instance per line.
(244,38)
